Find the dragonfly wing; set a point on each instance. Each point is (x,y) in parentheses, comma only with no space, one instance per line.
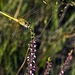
(30,13)
(25,16)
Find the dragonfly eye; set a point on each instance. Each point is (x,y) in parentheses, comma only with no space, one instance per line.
(27,24)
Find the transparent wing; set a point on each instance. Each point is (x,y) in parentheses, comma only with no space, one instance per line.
(27,13)
(34,10)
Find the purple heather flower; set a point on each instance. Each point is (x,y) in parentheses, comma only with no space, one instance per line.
(29,44)
(32,74)
(32,53)
(33,61)
(34,46)
(34,70)
(30,71)
(31,65)
(27,59)
(31,57)
(34,56)
(34,67)
(35,50)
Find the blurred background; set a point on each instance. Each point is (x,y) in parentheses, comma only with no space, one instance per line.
(54,25)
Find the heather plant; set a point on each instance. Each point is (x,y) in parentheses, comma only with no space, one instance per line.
(64,67)
(51,33)
(49,65)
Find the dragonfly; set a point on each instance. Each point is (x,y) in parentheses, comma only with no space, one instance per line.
(21,21)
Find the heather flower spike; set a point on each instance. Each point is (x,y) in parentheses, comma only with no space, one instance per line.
(64,67)
(49,65)
(31,58)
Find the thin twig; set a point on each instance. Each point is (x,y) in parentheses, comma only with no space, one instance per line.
(23,62)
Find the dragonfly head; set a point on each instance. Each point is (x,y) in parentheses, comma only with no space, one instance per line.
(27,25)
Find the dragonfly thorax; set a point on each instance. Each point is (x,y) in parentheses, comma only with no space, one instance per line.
(24,23)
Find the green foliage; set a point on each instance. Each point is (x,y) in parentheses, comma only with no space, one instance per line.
(53,42)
